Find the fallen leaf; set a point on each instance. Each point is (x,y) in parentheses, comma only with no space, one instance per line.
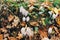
(10,18)
(12,38)
(1,37)
(34,23)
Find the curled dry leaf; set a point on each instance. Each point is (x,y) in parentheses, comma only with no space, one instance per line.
(12,38)
(55,13)
(14,24)
(46,3)
(19,36)
(43,33)
(54,38)
(59,35)
(8,26)
(23,23)
(1,37)
(55,10)
(59,11)
(6,35)
(58,20)
(4,30)
(10,18)
(34,23)
(32,2)
(31,8)
(16,21)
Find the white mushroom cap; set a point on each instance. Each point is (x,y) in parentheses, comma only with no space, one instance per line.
(24,12)
(55,15)
(29,31)
(23,18)
(50,30)
(23,31)
(28,18)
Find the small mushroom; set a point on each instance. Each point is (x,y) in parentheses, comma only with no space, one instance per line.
(23,11)
(50,29)
(23,19)
(28,18)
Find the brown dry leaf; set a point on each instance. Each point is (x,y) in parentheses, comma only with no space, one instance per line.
(4,30)
(8,26)
(47,3)
(32,2)
(23,23)
(59,35)
(58,20)
(19,36)
(54,38)
(43,33)
(16,21)
(34,23)
(6,35)
(59,11)
(55,10)
(1,37)
(14,24)
(12,38)
(52,26)
(10,18)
